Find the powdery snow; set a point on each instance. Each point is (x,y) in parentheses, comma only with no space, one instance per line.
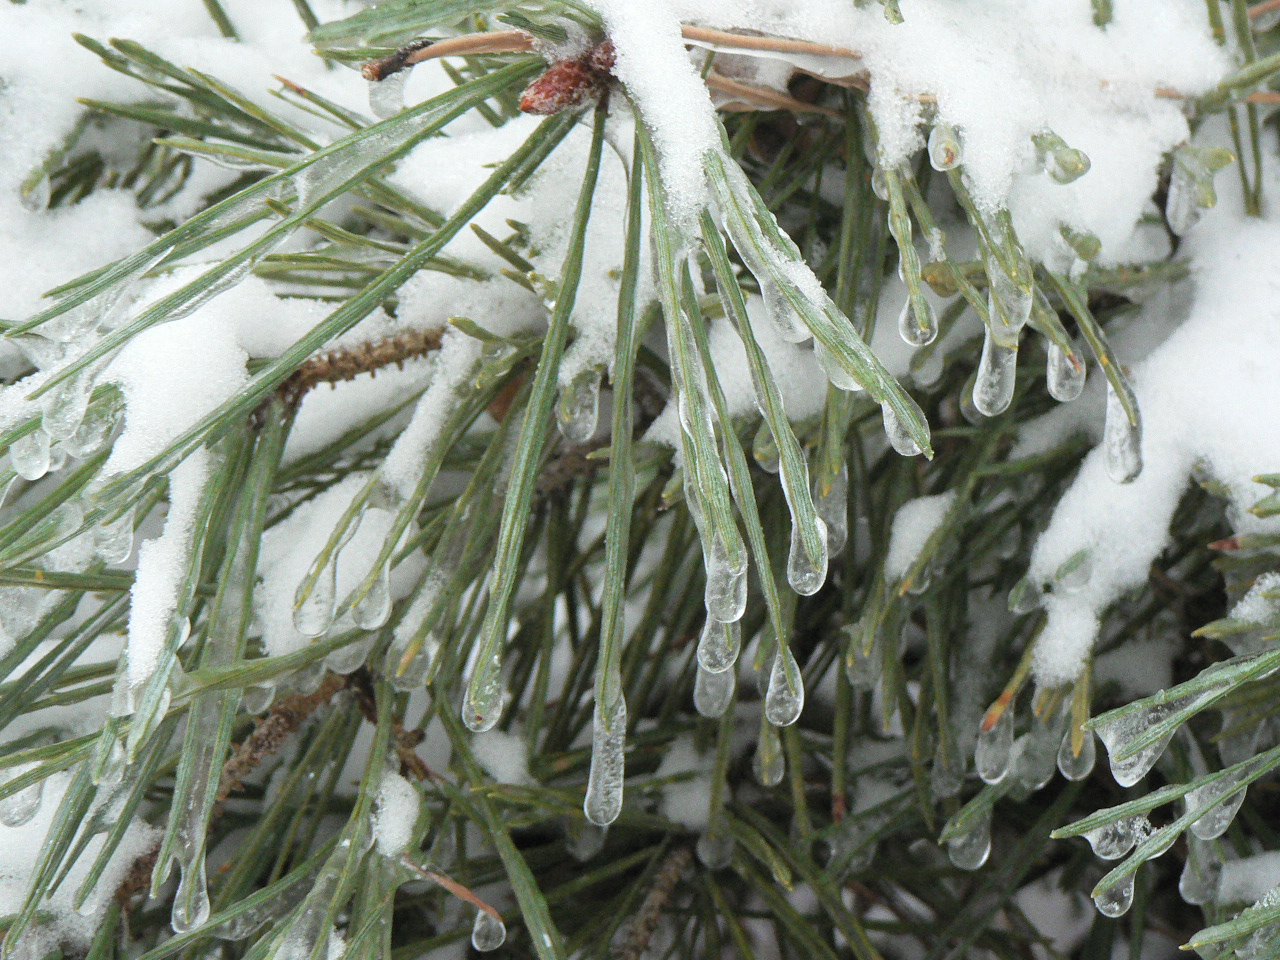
(913,525)
(395,814)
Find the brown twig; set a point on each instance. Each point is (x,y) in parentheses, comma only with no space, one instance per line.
(453,886)
(647,917)
(347,363)
(758,97)
(501,41)
(1258,9)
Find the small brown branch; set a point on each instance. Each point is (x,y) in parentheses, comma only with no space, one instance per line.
(645,922)
(722,39)
(347,363)
(762,97)
(502,41)
(1258,9)
(453,886)
(361,683)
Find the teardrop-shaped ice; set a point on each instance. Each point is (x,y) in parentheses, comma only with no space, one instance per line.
(373,609)
(29,455)
(789,324)
(1077,766)
(1181,209)
(348,659)
(997,372)
(1228,796)
(726,590)
(918,323)
(839,377)
(1009,302)
(386,97)
(1065,374)
(831,500)
(113,540)
(713,692)
(1113,840)
(482,702)
(764,449)
(719,645)
(806,573)
(863,665)
(96,427)
(313,612)
(1118,734)
(1122,441)
(970,849)
(945,152)
(1198,882)
(715,849)
(899,438)
(603,801)
(191,902)
(784,698)
(1116,901)
(18,808)
(768,764)
(578,409)
(63,407)
(487,932)
(994,751)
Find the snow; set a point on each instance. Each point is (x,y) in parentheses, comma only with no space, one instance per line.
(913,525)
(395,814)
(686,802)
(1255,606)
(1249,879)
(504,756)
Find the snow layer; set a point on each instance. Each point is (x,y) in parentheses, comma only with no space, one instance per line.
(913,525)
(396,814)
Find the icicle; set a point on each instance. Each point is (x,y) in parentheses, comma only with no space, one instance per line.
(993,387)
(487,932)
(350,658)
(807,574)
(969,850)
(784,699)
(765,449)
(1065,374)
(719,645)
(29,455)
(901,441)
(945,152)
(994,751)
(482,703)
(726,590)
(1198,882)
(386,97)
(373,609)
(412,673)
(768,764)
(191,902)
(313,614)
(113,540)
(99,422)
(1063,163)
(713,692)
(18,808)
(1009,304)
(63,408)
(916,330)
(714,849)
(1113,840)
(1116,901)
(578,409)
(603,802)
(1226,796)
(862,665)
(1122,441)
(1075,766)
(831,500)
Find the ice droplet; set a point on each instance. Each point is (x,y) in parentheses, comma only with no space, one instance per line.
(1113,840)
(782,314)
(603,802)
(726,590)
(96,427)
(765,449)
(831,500)
(945,151)
(969,850)
(839,377)
(313,613)
(257,698)
(578,409)
(29,455)
(584,839)
(18,808)
(1116,901)
(64,406)
(719,645)
(1075,766)
(862,663)
(997,373)
(1181,209)
(784,698)
(946,778)
(191,902)
(412,674)
(1117,735)
(1122,441)
(373,609)
(1065,374)
(919,327)
(386,97)
(713,692)
(350,658)
(487,932)
(482,703)
(768,764)
(714,849)
(1009,303)
(1073,574)
(1198,882)
(1065,164)
(1229,796)
(994,751)
(113,540)
(805,573)
(901,441)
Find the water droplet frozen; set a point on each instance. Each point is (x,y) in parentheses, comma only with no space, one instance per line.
(407,669)
(1226,796)
(784,698)
(945,151)
(191,902)
(918,327)
(831,500)
(1065,374)
(899,438)
(578,409)
(782,314)
(1066,164)
(1181,207)
(1198,882)
(862,664)
(35,192)
(487,932)
(837,375)
(29,455)
(313,612)
(997,372)
(373,609)
(350,658)
(1113,840)
(482,703)
(714,849)
(970,849)
(386,97)
(713,692)
(768,764)
(584,839)
(806,573)
(18,808)
(1073,574)
(994,751)
(63,408)
(99,422)
(726,590)
(257,698)
(1116,901)
(1122,441)
(879,185)
(765,449)
(719,645)
(603,801)
(946,777)
(1119,733)
(1025,597)
(113,540)
(1075,766)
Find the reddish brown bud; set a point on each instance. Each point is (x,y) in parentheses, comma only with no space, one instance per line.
(570,83)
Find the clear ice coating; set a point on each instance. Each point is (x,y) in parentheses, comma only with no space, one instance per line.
(113,540)
(1116,901)
(18,808)
(29,455)
(831,500)
(482,703)
(1036,755)
(1112,841)
(1122,441)
(945,151)
(313,613)
(969,850)
(899,438)
(713,692)
(1025,597)
(946,777)
(191,902)
(1119,733)
(487,932)
(997,372)
(1226,796)
(719,645)
(764,449)
(784,698)
(578,409)
(408,670)
(386,97)
(993,753)
(807,574)
(99,422)
(1182,208)
(603,802)
(1065,374)
(839,377)
(350,658)
(1198,882)
(714,849)
(1009,303)
(1077,766)
(584,839)
(918,322)
(781,313)
(862,663)
(726,591)
(768,764)
(63,407)
(374,608)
